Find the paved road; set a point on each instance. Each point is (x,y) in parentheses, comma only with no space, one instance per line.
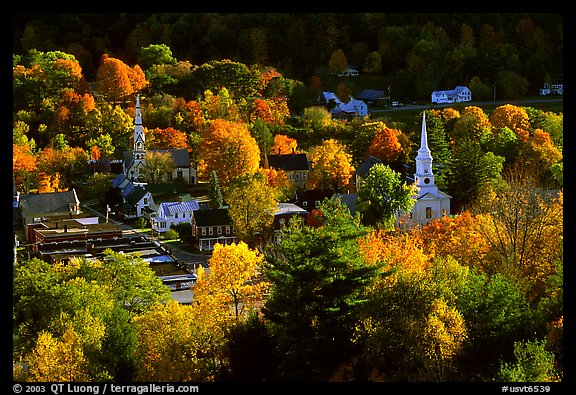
(520,102)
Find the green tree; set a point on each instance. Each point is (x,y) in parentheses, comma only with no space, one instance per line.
(532,364)
(214,191)
(382,195)
(156,54)
(252,207)
(470,173)
(319,281)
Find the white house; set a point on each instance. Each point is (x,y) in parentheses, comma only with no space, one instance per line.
(354,106)
(172,213)
(456,95)
(138,202)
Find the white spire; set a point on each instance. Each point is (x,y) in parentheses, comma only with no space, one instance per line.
(424,151)
(139,138)
(138,117)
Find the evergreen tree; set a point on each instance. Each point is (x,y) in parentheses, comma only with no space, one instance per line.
(214,191)
(319,281)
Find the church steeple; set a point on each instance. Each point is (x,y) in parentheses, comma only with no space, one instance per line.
(424,178)
(139,138)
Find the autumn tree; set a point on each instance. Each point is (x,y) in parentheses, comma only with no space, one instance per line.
(157,165)
(252,203)
(229,149)
(318,281)
(444,336)
(382,195)
(178,343)
(338,61)
(283,145)
(514,117)
(331,166)
(118,81)
(471,124)
(523,226)
(166,138)
(235,280)
(385,145)
(23,166)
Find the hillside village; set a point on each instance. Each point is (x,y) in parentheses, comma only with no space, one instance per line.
(362,218)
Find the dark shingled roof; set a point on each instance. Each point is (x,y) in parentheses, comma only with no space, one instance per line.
(364,168)
(180,156)
(53,202)
(212,217)
(371,95)
(288,162)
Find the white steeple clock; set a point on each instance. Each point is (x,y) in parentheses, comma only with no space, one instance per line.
(424,177)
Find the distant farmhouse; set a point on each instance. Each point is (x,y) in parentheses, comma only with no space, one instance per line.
(552,89)
(135,160)
(354,107)
(456,95)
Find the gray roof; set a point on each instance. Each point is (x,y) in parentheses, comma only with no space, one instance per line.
(371,94)
(117,181)
(364,168)
(180,156)
(45,203)
(135,195)
(180,207)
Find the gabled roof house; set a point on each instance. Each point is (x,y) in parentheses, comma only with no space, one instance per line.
(172,213)
(456,95)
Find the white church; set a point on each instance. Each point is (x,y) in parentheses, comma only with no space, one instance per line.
(134,160)
(431,203)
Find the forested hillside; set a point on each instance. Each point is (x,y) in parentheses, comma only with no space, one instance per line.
(417,52)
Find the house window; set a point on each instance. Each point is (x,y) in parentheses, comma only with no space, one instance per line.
(145,200)
(210,231)
(162,225)
(428,212)
(179,173)
(175,215)
(227,229)
(305,203)
(203,231)
(219,230)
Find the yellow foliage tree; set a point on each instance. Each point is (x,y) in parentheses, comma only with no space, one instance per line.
(178,343)
(234,280)
(56,360)
(331,166)
(514,117)
(444,334)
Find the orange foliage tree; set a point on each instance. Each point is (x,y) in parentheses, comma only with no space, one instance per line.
(385,144)
(229,149)
(23,165)
(284,145)
(166,138)
(118,81)
(455,236)
(514,117)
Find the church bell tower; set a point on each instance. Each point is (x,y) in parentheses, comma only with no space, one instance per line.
(424,177)
(139,148)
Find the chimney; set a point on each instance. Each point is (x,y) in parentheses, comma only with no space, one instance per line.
(65,228)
